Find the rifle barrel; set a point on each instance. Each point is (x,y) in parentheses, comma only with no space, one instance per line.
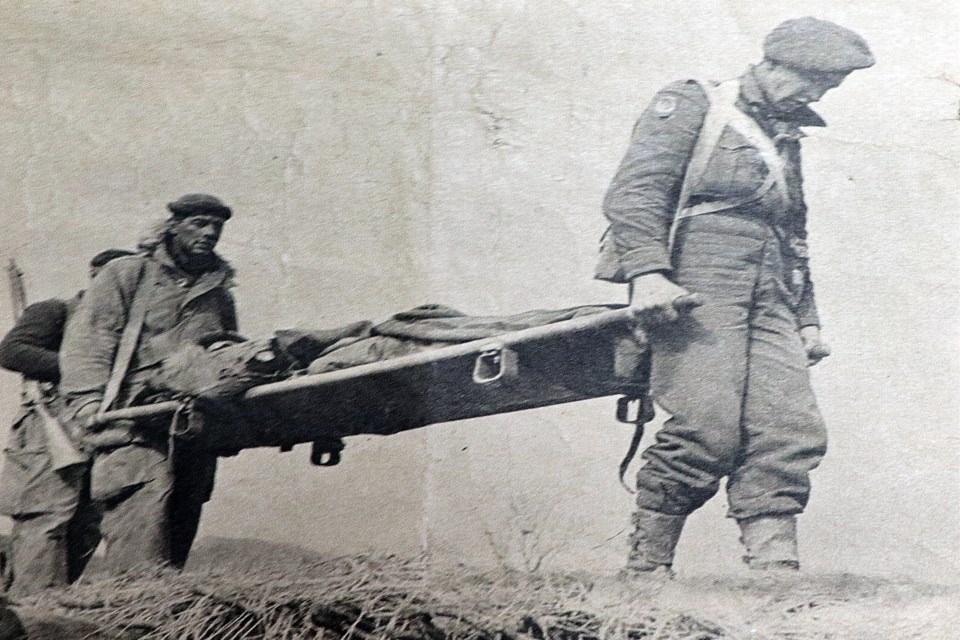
(18,293)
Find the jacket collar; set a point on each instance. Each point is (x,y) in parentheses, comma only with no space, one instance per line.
(753,96)
(220,275)
(219,268)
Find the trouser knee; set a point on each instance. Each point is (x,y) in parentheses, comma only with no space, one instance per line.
(136,528)
(682,472)
(38,554)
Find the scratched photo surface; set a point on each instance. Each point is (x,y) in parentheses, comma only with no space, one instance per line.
(382,155)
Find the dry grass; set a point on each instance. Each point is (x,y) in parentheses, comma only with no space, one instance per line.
(401,599)
(362,599)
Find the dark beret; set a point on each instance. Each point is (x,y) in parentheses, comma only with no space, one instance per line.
(104,257)
(199,204)
(809,44)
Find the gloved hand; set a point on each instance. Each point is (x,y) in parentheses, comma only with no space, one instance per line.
(813,344)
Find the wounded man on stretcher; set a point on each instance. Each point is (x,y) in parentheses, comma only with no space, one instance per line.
(424,366)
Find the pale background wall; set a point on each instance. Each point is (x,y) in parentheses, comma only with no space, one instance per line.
(384,154)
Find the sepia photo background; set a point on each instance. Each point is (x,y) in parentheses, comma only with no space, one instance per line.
(384,154)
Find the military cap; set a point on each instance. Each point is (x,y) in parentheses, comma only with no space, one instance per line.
(809,44)
(104,257)
(199,204)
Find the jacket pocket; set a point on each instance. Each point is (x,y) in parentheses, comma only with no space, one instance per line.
(735,170)
(118,470)
(28,483)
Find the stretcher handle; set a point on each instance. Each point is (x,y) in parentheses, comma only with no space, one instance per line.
(138,412)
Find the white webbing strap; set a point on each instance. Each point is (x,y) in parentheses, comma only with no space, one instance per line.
(130,337)
(721,113)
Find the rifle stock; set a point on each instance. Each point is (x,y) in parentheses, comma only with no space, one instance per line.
(63,452)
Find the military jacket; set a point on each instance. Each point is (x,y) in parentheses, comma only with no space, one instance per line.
(642,199)
(182,309)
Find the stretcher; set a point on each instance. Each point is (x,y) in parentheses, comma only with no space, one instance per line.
(568,361)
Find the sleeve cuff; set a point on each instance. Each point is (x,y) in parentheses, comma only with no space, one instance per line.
(808,319)
(645,260)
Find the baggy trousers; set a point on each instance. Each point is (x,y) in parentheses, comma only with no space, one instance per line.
(733,375)
(56,527)
(151,504)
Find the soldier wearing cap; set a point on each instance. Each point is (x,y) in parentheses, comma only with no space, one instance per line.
(708,199)
(139,310)
(55,526)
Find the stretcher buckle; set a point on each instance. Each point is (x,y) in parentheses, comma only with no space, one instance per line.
(635,410)
(326,452)
(496,363)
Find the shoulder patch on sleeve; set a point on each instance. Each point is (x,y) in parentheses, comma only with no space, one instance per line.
(665,106)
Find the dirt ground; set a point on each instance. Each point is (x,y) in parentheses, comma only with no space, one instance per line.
(229,594)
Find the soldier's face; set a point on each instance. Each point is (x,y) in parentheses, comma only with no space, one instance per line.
(197,235)
(790,89)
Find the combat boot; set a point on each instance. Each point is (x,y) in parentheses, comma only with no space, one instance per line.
(652,544)
(770,543)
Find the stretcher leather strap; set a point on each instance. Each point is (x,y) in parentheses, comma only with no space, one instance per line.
(131,333)
(645,413)
(631,453)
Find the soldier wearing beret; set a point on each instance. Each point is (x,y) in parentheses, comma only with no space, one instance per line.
(139,310)
(55,526)
(709,199)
